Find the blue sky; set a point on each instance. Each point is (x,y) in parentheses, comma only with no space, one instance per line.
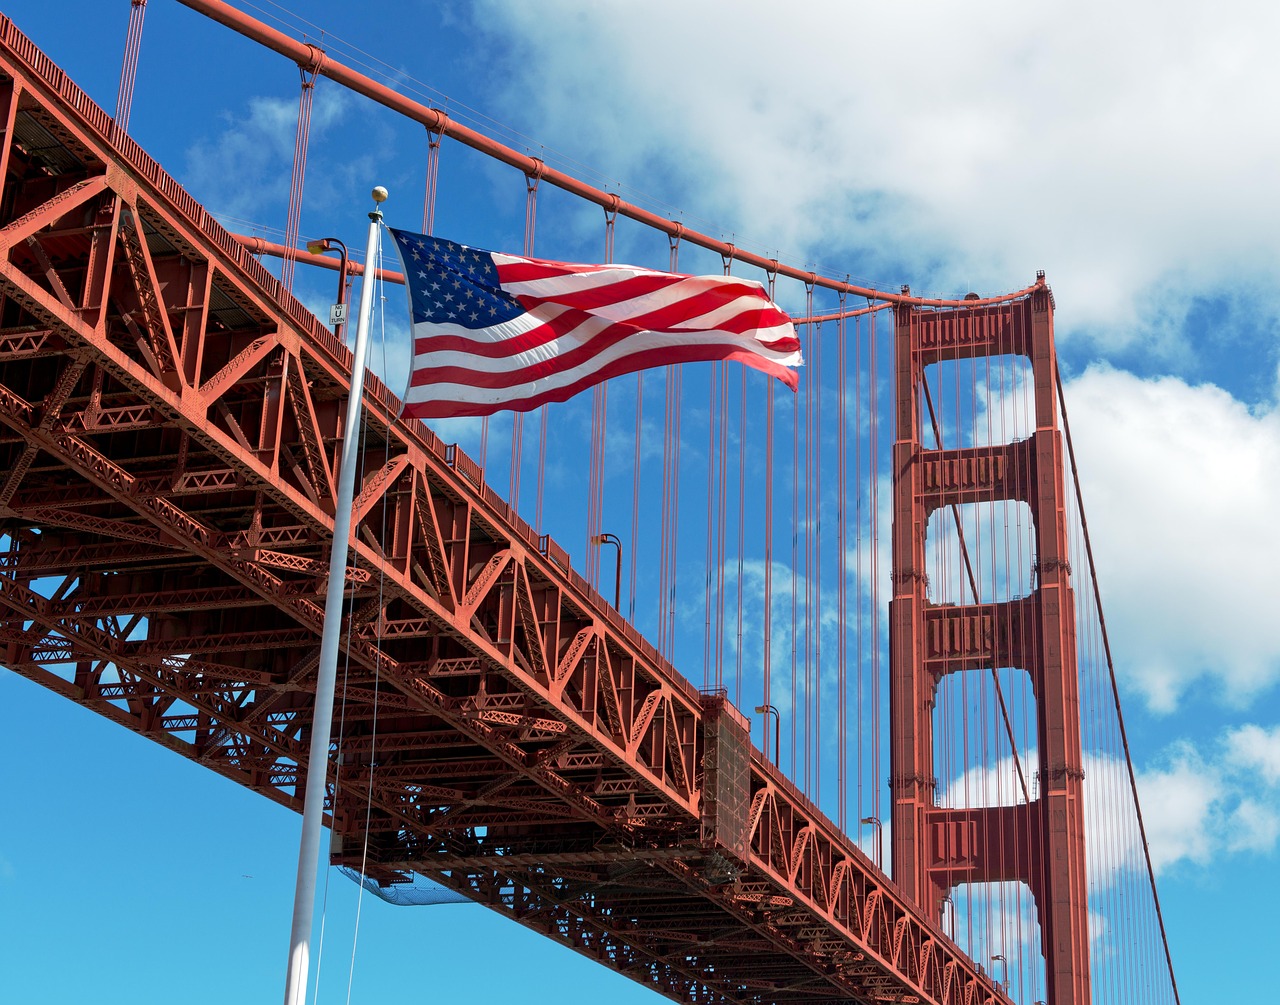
(1128,152)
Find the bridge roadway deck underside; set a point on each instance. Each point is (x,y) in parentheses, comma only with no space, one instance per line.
(170,425)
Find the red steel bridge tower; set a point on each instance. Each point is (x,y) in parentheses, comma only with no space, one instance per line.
(1038,841)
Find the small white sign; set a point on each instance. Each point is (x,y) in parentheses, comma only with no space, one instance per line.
(337,315)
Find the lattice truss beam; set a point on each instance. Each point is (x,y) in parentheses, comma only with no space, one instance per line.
(170,423)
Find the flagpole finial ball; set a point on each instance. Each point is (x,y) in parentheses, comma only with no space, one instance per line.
(379,194)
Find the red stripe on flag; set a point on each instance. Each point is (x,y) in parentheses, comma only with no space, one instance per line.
(444,408)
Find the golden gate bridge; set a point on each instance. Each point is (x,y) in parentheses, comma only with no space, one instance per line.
(172,426)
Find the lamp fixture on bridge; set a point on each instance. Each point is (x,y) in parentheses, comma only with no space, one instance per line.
(338,315)
(617,576)
(875,822)
(999,958)
(765,710)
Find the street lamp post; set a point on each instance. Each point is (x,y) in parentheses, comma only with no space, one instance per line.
(617,575)
(766,710)
(319,247)
(875,822)
(1004,967)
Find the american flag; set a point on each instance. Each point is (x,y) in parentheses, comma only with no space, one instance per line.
(494,331)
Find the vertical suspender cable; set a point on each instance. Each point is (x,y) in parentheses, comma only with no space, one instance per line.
(517,456)
(635,498)
(722,475)
(842,779)
(431,181)
(600,406)
(301,136)
(517,418)
(874,504)
(816,532)
(670,479)
(796,718)
(707,673)
(664,522)
(595,479)
(857,554)
(593,524)
(810,727)
(677,399)
(129,65)
(767,659)
(542,465)
(742,492)
(721,493)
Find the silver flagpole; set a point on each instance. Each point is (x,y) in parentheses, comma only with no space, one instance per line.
(304,898)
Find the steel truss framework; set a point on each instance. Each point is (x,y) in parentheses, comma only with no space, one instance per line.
(170,425)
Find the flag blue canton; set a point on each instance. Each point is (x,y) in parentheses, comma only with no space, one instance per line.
(450,283)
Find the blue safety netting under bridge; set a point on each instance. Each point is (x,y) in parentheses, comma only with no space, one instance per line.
(419,893)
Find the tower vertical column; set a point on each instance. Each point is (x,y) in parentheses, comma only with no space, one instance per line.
(1064,897)
(911,690)
(1040,843)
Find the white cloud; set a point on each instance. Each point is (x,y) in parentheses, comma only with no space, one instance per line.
(990,785)
(1253,827)
(1199,807)
(1119,148)
(1253,748)
(1181,808)
(1180,485)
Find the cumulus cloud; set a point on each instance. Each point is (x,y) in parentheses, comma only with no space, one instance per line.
(1182,808)
(1180,484)
(968,144)
(1202,804)
(1254,827)
(1253,748)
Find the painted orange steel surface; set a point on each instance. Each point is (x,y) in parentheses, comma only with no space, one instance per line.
(1039,841)
(170,425)
(261,246)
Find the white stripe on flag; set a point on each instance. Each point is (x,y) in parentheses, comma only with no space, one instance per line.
(647,342)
